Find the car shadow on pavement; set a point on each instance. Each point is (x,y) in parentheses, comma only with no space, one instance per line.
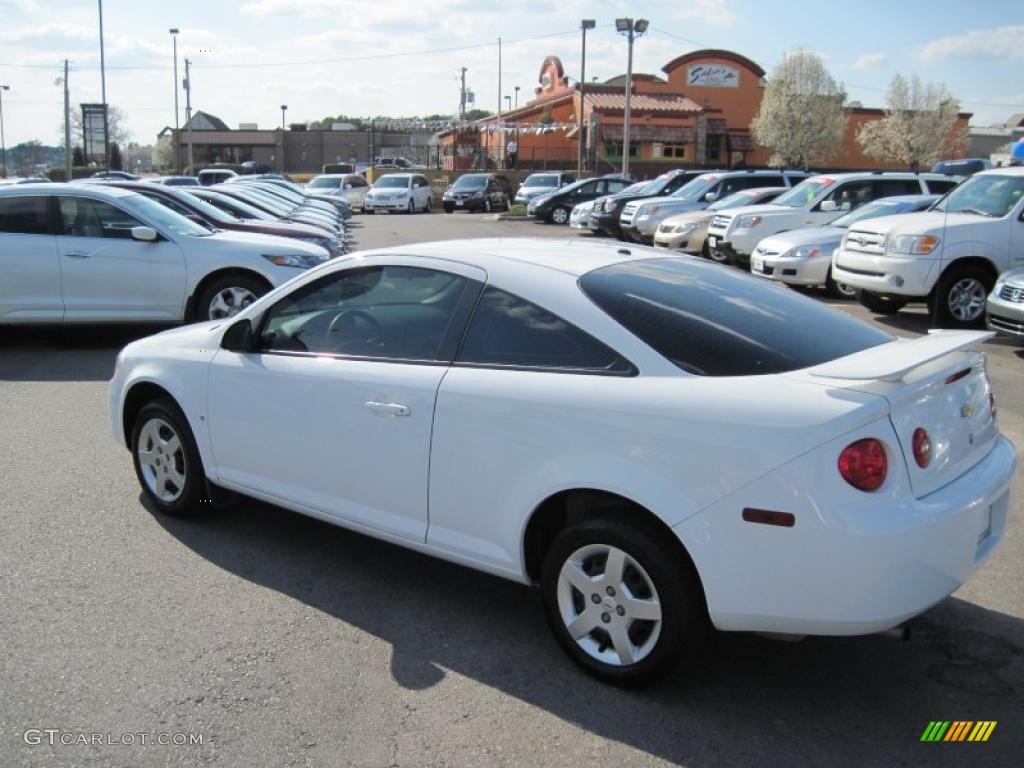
(77,353)
(747,700)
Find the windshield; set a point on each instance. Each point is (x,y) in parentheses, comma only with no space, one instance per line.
(209,211)
(393,181)
(693,190)
(735,200)
(717,322)
(162,217)
(541,180)
(992,195)
(326,182)
(232,205)
(803,193)
(869,211)
(471,181)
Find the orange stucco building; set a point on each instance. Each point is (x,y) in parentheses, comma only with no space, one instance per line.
(698,114)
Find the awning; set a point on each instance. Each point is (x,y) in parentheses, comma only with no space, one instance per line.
(669,134)
(740,142)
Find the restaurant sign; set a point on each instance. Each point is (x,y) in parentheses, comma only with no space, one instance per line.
(713,76)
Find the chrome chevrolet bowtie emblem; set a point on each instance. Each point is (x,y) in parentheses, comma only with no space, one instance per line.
(966,412)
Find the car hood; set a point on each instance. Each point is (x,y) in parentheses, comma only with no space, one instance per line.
(1014,277)
(765,209)
(689,217)
(922,223)
(672,202)
(820,236)
(259,244)
(286,229)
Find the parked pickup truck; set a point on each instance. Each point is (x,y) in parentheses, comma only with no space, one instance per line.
(948,256)
(733,235)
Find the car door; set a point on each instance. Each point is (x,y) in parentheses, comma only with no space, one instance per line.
(334,410)
(29,266)
(106,275)
(847,196)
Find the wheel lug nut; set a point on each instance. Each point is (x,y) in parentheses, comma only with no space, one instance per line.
(595,597)
(605,618)
(610,591)
(620,610)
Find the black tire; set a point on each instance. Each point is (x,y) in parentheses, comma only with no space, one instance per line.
(968,285)
(881,305)
(838,290)
(204,305)
(412,207)
(684,619)
(430,205)
(718,257)
(705,250)
(193,495)
(449,208)
(559,215)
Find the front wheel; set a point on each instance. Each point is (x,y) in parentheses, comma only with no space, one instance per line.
(961,296)
(560,215)
(166,460)
(881,305)
(839,290)
(227,296)
(621,601)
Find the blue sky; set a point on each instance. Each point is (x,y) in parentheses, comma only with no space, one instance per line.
(245,52)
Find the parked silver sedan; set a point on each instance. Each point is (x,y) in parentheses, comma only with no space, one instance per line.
(1005,308)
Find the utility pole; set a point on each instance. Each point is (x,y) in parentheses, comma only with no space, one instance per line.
(106,107)
(67,126)
(3,141)
(462,98)
(188,113)
(177,127)
(501,132)
(632,29)
(585,24)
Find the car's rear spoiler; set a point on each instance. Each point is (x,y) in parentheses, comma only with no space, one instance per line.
(893,361)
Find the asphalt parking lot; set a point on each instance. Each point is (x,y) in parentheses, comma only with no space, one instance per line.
(283,641)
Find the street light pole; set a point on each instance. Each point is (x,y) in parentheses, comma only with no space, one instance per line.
(177,127)
(632,29)
(284,108)
(3,141)
(188,114)
(68,171)
(517,96)
(103,87)
(585,24)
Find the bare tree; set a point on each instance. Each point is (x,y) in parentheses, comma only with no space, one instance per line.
(802,120)
(919,126)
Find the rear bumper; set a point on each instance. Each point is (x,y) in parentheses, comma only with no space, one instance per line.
(852,565)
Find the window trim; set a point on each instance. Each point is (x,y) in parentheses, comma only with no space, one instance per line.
(632,371)
(450,344)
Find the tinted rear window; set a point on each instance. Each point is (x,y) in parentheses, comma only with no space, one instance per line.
(24,215)
(716,322)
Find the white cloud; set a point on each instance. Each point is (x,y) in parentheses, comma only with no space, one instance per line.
(869,60)
(998,43)
(717,13)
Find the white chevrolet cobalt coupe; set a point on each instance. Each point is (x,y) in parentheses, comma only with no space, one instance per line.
(659,443)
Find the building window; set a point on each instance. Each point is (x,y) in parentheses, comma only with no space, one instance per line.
(674,151)
(714,149)
(614,148)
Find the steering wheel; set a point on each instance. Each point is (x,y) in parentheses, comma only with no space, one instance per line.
(350,317)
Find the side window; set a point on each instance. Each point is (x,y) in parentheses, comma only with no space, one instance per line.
(174,205)
(940,187)
(616,185)
(509,331)
(24,215)
(82,217)
(763,180)
(851,195)
(589,188)
(390,313)
(890,187)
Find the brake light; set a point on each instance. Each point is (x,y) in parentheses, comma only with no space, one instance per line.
(863,464)
(922,447)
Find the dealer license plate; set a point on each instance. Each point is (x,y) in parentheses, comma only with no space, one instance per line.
(712,241)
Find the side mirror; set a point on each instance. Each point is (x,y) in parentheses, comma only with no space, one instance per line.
(828,206)
(238,338)
(710,197)
(144,234)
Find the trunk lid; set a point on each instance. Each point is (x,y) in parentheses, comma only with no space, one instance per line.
(938,383)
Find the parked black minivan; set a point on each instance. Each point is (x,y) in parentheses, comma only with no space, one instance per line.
(477,192)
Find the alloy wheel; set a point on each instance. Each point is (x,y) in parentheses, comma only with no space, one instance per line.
(229,302)
(559,216)
(966,299)
(609,605)
(162,460)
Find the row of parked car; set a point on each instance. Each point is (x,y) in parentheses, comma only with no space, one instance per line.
(110,250)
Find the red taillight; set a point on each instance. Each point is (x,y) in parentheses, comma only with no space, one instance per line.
(922,448)
(863,464)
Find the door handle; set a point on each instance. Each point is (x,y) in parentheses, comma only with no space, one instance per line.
(389,409)
(77,255)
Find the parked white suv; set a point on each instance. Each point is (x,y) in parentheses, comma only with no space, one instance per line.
(949,255)
(409,192)
(92,254)
(733,235)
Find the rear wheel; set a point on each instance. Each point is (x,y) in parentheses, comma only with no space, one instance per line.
(621,601)
(166,460)
(718,256)
(839,290)
(227,296)
(882,305)
(560,215)
(961,296)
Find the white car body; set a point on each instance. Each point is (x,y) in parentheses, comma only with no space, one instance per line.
(688,231)
(866,258)
(351,187)
(94,279)
(541,183)
(457,460)
(737,232)
(413,196)
(1005,306)
(579,218)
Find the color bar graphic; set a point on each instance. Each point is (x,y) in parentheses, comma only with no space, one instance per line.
(958,730)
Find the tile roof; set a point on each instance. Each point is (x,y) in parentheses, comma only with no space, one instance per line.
(643,102)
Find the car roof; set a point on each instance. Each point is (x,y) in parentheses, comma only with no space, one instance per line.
(1009,170)
(906,198)
(94,190)
(575,257)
